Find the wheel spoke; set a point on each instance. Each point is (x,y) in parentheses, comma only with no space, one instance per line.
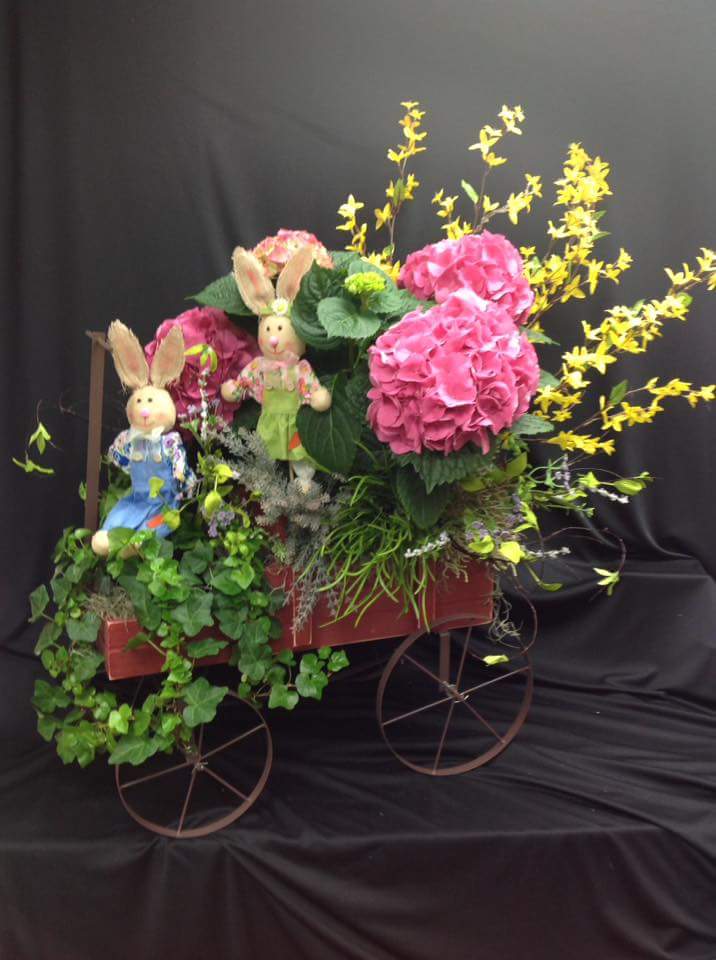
(411,713)
(458,678)
(225,783)
(153,776)
(487,683)
(442,739)
(186,801)
(416,663)
(230,743)
(482,720)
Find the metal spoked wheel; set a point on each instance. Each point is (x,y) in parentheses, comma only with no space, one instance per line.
(209,788)
(441,708)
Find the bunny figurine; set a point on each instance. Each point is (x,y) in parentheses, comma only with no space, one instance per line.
(279,380)
(146,451)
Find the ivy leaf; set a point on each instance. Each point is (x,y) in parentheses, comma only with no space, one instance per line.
(422,507)
(85,663)
(133,750)
(48,697)
(233,580)
(46,727)
(198,558)
(343,318)
(83,630)
(194,613)
(118,720)
(529,425)
(316,285)
(311,685)
(39,598)
(331,437)
(437,469)
(338,660)
(224,295)
(202,699)
(146,608)
(208,647)
(232,621)
(281,696)
(49,635)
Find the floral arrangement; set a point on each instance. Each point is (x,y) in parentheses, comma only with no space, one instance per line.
(420,456)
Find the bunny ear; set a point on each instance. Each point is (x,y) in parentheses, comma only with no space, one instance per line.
(169,358)
(289,282)
(254,285)
(129,360)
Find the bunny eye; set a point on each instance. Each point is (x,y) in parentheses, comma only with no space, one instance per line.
(149,399)
(280,328)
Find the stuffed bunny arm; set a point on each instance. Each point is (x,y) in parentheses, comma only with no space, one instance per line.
(120,451)
(182,472)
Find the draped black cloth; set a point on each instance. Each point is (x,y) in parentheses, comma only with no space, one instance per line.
(142,142)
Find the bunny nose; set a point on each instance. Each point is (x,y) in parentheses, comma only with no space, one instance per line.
(145,413)
(273,341)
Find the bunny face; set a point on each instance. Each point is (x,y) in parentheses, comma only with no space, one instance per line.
(277,337)
(151,407)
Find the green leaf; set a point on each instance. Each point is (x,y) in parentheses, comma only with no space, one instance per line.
(247,416)
(194,613)
(46,727)
(338,660)
(85,663)
(422,507)
(343,260)
(493,659)
(629,485)
(39,598)
(118,720)
(529,425)
(138,640)
(311,685)
(286,657)
(618,392)
(437,469)
(547,379)
(208,647)
(316,285)
(146,608)
(76,745)
(49,635)
(511,550)
(84,630)
(331,437)
(232,621)
(155,487)
(202,699)
(343,318)
(538,336)
(469,190)
(198,558)
(49,697)
(133,750)
(224,295)
(281,696)
(233,580)
(29,466)
(393,302)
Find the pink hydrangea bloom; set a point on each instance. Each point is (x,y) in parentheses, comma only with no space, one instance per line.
(233,347)
(275,252)
(458,373)
(485,263)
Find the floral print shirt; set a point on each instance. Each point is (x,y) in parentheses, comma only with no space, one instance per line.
(133,444)
(265,374)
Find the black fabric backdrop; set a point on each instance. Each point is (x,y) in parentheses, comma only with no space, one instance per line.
(141,142)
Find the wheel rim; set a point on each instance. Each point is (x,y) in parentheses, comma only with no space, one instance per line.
(215,766)
(445,687)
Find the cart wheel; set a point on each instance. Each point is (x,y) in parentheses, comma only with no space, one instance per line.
(208,789)
(441,709)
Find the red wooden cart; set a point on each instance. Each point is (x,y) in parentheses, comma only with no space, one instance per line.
(439,667)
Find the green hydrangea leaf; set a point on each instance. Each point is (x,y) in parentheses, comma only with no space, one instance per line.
(224,295)
(437,469)
(331,437)
(423,508)
(340,317)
